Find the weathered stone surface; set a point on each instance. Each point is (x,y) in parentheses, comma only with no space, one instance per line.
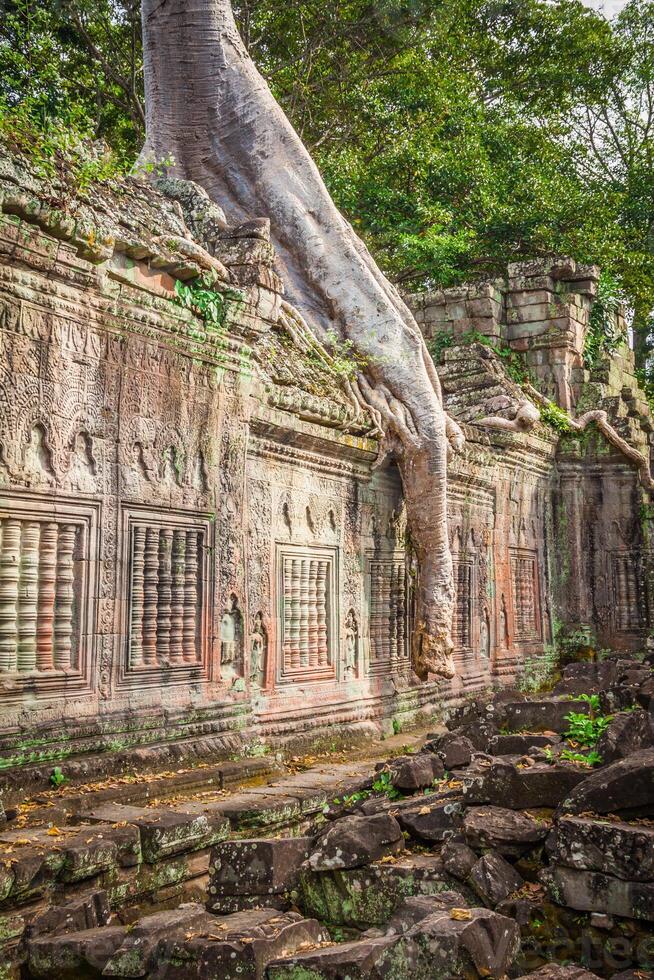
(553,972)
(256,867)
(75,955)
(449,947)
(508,832)
(138,954)
(624,787)
(356,841)
(619,849)
(626,734)
(454,750)
(494,879)
(165,832)
(548,714)
(418,907)
(458,859)
(520,744)
(354,960)
(415,772)
(365,897)
(522,788)
(88,912)
(590,891)
(237,947)
(429,819)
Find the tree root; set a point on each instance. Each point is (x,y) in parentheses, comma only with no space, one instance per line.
(528,415)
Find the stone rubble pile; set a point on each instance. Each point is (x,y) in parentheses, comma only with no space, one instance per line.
(494,851)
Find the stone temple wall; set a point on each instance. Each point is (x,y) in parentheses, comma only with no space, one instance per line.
(194,546)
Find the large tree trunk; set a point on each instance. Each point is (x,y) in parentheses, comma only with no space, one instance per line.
(208,107)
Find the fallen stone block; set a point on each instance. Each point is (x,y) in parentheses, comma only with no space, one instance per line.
(415,772)
(352,842)
(138,954)
(354,960)
(75,955)
(520,744)
(237,947)
(88,912)
(29,872)
(508,832)
(418,907)
(458,859)
(165,832)
(454,750)
(625,787)
(547,714)
(454,945)
(365,897)
(494,879)
(553,972)
(256,867)
(591,891)
(626,734)
(429,819)
(522,787)
(620,849)
(93,851)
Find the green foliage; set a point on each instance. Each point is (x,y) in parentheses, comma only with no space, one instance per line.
(604,335)
(455,135)
(57,777)
(205,301)
(438,344)
(556,418)
(586,729)
(383,784)
(539,673)
(592,700)
(591,758)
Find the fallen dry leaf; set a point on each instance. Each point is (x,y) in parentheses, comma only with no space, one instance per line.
(461,915)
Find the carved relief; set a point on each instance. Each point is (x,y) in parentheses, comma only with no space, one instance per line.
(526,596)
(351,644)
(258,651)
(462,624)
(231,637)
(627,603)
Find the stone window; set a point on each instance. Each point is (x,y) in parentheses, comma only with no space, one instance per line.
(526,604)
(307,614)
(168,586)
(462,625)
(626,598)
(46,593)
(388,613)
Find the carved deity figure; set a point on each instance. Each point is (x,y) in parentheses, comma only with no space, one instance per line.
(258,651)
(484,636)
(351,643)
(230,633)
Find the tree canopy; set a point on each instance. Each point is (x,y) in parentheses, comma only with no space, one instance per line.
(456,135)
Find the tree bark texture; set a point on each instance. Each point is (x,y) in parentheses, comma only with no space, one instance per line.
(208,107)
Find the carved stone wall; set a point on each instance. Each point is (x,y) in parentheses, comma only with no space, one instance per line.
(194,543)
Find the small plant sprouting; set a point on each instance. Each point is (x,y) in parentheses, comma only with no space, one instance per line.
(57,777)
(591,758)
(384,785)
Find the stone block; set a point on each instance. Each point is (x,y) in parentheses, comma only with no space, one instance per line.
(415,772)
(257,867)
(625,787)
(138,954)
(624,850)
(166,832)
(430,819)
(365,897)
(74,955)
(356,841)
(522,788)
(494,879)
(591,891)
(509,832)
(548,714)
(354,960)
(237,947)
